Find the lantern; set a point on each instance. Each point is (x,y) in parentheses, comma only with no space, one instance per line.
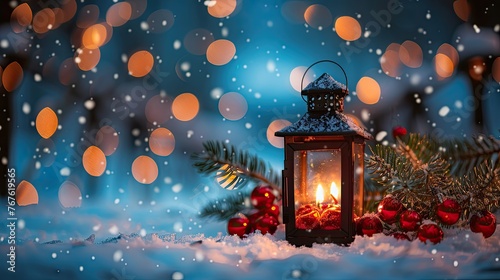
(323,169)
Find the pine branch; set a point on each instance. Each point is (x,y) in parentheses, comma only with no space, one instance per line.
(226,208)
(467,154)
(418,148)
(413,171)
(481,189)
(233,169)
(418,172)
(393,171)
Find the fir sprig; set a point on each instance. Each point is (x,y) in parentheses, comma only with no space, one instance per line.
(232,168)
(480,189)
(223,209)
(465,154)
(417,171)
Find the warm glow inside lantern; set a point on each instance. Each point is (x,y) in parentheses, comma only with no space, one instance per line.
(323,170)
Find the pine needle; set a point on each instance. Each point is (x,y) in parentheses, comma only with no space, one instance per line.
(233,169)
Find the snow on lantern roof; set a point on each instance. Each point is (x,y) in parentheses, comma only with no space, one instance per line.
(325,81)
(327,124)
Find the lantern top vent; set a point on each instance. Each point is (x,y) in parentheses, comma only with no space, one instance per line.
(325,94)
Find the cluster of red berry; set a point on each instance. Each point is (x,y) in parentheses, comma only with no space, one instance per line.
(407,224)
(264,216)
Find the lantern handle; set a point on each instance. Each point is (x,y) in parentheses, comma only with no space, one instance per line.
(317,62)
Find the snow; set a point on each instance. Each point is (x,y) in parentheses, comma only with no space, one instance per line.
(331,124)
(462,254)
(325,81)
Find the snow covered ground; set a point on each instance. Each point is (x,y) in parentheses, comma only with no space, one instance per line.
(53,246)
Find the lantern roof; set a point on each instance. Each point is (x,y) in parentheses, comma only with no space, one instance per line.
(325,82)
(327,124)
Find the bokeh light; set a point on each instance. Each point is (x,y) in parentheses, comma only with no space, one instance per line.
(185,106)
(220,52)
(12,76)
(140,63)
(144,170)
(118,14)
(50,67)
(26,194)
(296,77)
(356,120)
(233,106)
(94,36)
(389,61)
(160,21)
(162,141)
(21,18)
(274,126)
(450,52)
(368,90)
(59,14)
(293,11)
(411,54)
(87,59)
(44,20)
(67,72)
(138,7)
(69,195)
(348,28)
(197,41)
(495,69)
(94,161)
(107,140)
(318,16)
(46,122)
(221,8)
(462,9)
(476,67)
(158,109)
(69,9)
(443,65)
(87,16)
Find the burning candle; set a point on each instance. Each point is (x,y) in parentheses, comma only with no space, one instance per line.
(320,215)
(334,192)
(320,195)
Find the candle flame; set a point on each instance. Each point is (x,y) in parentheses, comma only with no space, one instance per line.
(334,191)
(320,194)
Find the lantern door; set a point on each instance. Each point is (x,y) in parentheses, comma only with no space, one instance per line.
(318,190)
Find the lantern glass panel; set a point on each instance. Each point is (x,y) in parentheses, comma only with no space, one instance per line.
(317,188)
(357,154)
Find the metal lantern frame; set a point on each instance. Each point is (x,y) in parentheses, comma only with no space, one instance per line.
(323,128)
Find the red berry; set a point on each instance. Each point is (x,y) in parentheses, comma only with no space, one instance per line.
(262,197)
(448,211)
(307,217)
(483,222)
(431,232)
(239,225)
(265,223)
(369,225)
(398,131)
(389,208)
(401,236)
(410,220)
(330,218)
(274,210)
